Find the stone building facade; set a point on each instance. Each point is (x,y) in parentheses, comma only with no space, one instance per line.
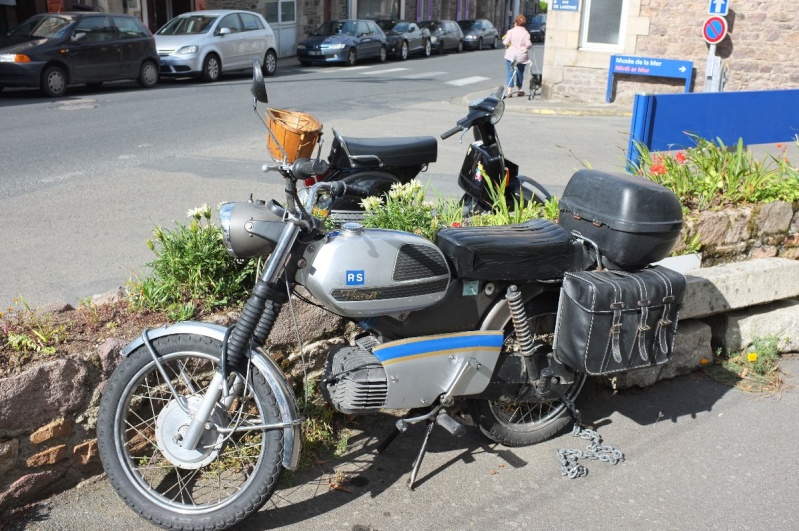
(758,52)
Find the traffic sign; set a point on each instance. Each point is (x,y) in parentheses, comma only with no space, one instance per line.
(719,7)
(715,29)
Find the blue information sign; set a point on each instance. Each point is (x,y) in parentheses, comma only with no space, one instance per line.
(719,7)
(565,5)
(649,66)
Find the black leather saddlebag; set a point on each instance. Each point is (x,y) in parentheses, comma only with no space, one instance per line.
(614,321)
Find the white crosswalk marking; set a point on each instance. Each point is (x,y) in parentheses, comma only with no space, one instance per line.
(424,75)
(467,80)
(341,69)
(386,71)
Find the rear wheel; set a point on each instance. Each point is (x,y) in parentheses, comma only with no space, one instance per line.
(270,63)
(496,43)
(54,81)
(227,477)
(428,48)
(148,75)
(212,68)
(383,54)
(514,423)
(460,47)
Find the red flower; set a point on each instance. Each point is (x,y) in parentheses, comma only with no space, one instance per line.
(658,169)
(456,224)
(680,157)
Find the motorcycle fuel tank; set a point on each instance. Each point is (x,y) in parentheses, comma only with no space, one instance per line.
(357,272)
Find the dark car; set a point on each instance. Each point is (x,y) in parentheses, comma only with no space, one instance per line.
(537,28)
(445,35)
(406,38)
(478,33)
(343,41)
(53,50)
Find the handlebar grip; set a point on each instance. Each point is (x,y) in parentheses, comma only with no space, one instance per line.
(451,132)
(303,168)
(357,191)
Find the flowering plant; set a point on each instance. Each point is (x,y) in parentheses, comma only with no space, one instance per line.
(711,174)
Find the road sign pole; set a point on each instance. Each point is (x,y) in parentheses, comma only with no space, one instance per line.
(709,70)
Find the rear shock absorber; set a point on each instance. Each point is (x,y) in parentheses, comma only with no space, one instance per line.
(522,327)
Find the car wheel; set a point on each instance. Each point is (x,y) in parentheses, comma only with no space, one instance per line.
(543,36)
(459,49)
(480,43)
(148,75)
(270,63)
(383,54)
(54,81)
(402,53)
(496,43)
(351,57)
(428,48)
(211,68)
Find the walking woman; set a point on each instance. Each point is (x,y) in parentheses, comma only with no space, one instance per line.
(517,42)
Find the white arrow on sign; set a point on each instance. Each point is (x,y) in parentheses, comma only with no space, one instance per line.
(682,69)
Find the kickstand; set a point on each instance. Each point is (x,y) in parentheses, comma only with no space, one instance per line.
(430,424)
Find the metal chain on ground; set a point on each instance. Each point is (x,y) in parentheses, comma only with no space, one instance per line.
(569,465)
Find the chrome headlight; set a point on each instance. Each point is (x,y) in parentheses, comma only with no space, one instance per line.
(470,37)
(186,50)
(340,46)
(249,229)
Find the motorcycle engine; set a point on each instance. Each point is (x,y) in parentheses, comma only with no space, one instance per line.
(355,381)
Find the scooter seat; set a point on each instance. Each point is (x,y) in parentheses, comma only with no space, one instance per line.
(535,249)
(392,151)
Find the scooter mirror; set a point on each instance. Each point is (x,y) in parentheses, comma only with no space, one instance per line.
(258,87)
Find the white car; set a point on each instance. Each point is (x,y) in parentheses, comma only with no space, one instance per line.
(207,43)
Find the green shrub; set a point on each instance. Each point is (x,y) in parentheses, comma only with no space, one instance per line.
(192,270)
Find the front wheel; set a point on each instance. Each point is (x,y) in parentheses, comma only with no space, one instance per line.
(383,54)
(228,476)
(514,423)
(54,81)
(351,57)
(428,49)
(402,53)
(212,68)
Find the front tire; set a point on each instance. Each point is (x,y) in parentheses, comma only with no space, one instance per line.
(226,478)
(428,49)
(352,58)
(148,75)
(402,53)
(513,423)
(54,81)
(212,68)
(383,54)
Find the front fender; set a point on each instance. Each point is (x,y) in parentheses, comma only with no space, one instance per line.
(281,389)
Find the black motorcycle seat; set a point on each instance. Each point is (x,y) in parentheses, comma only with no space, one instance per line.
(535,249)
(393,151)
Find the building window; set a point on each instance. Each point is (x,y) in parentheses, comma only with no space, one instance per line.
(378,8)
(277,11)
(603,25)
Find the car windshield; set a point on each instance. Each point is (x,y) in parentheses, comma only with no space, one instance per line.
(335,27)
(190,25)
(46,27)
(469,24)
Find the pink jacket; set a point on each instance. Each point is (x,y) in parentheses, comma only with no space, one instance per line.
(517,42)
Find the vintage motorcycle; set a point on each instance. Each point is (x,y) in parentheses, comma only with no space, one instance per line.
(197,423)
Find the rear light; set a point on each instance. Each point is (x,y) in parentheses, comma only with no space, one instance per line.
(310,181)
(14,58)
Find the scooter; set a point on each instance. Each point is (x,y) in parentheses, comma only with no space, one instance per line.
(198,422)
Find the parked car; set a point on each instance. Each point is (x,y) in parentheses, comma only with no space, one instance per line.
(537,28)
(208,43)
(343,41)
(51,51)
(445,35)
(478,33)
(405,38)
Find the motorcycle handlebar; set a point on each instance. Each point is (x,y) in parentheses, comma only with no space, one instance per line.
(453,131)
(306,168)
(338,189)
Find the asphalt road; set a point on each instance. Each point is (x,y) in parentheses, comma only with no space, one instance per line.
(698,455)
(84,180)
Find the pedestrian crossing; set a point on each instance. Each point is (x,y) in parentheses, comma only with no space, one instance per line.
(398,72)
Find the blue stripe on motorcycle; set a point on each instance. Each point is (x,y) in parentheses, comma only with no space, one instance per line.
(405,349)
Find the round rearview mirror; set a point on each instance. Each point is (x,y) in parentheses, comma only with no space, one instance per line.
(258,87)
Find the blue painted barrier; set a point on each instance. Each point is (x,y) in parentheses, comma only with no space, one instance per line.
(661,121)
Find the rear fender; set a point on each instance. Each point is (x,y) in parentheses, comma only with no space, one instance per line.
(281,389)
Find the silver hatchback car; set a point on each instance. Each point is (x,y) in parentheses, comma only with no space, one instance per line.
(207,43)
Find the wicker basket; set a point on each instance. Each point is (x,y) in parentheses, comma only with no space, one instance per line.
(297,132)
